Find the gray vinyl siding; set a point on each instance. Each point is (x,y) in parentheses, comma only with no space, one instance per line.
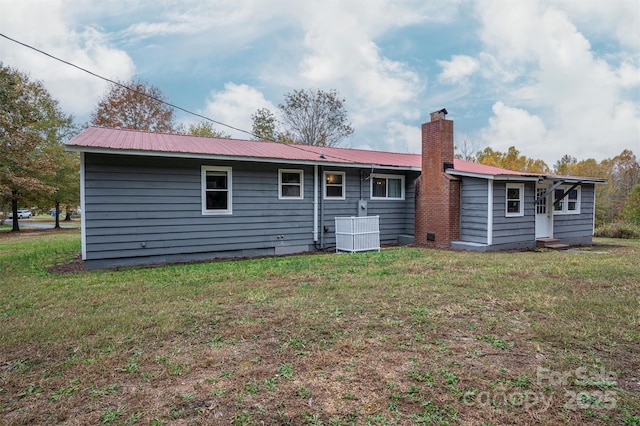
(473,210)
(142,210)
(396,216)
(513,232)
(577,229)
(517,232)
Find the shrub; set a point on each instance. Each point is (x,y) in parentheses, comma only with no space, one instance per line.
(618,230)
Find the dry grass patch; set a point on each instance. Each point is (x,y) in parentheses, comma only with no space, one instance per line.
(404,336)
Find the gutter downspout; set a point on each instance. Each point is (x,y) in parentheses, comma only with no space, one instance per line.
(489,212)
(321,214)
(315,203)
(83,209)
(593,219)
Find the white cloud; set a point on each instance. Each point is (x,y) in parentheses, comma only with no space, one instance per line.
(340,49)
(617,19)
(567,100)
(403,138)
(234,106)
(567,72)
(49,29)
(511,126)
(458,69)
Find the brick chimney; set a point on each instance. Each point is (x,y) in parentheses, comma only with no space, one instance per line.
(437,217)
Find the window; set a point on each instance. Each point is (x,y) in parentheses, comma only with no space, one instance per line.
(216,190)
(334,185)
(515,197)
(569,204)
(290,184)
(387,187)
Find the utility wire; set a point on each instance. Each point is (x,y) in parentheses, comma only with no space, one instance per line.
(160,100)
(126,87)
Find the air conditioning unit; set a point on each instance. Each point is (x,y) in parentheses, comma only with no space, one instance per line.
(357,233)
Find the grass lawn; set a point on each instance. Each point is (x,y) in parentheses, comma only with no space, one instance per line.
(403,336)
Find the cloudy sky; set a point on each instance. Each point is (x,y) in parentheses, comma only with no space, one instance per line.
(550,77)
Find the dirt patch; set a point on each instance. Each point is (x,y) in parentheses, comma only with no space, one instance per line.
(75,265)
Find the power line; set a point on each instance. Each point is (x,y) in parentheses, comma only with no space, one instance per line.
(124,86)
(154,98)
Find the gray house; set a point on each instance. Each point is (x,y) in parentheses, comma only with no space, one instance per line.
(471,206)
(154,198)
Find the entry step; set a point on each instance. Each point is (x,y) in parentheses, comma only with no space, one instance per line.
(551,243)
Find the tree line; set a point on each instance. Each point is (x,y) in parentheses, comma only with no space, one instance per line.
(36,170)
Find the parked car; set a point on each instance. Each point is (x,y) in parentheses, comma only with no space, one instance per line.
(22,214)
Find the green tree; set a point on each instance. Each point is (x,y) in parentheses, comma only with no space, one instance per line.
(134,105)
(563,166)
(29,116)
(264,125)
(64,176)
(622,173)
(631,210)
(511,160)
(206,129)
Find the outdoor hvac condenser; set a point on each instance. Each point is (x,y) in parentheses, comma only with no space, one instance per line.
(357,233)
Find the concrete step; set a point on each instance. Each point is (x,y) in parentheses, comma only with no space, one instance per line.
(551,243)
(543,242)
(557,246)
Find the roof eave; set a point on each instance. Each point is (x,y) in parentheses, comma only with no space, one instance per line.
(167,154)
(519,178)
(573,179)
(527,178)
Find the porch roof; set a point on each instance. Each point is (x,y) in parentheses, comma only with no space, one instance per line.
(469,169)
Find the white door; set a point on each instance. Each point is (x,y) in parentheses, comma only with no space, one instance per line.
(544,212)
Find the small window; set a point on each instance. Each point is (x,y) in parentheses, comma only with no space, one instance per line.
(570,204)
(216,190)
(387,187)
(291,184)
(515,198)
(334,185)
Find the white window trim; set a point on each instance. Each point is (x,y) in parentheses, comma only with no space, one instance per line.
(284,197)
(324,185)
(386,176)
(203,181)
(565,201)
(520,187)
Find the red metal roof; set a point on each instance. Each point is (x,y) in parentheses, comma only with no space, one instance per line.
(481,169)
(100,139)
(105,139)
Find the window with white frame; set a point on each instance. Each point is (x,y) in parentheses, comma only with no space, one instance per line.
(216,190)
(290,184)
(570,204)
(387,187)
(334,185)
(514,200)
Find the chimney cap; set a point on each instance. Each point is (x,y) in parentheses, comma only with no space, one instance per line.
(439,115)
